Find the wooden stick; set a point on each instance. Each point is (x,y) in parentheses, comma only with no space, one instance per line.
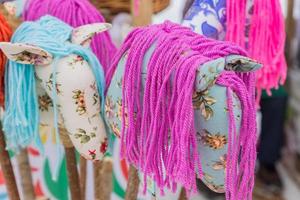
(7,170)
(290,29)
(25,174)
(182,195)
(133,184)
(97,179)
(144,14)
(83,172)
(106,185)
(72,171)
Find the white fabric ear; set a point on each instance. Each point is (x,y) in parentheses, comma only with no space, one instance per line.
(83,35)
(26,53)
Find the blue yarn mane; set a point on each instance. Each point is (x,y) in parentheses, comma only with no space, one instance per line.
(21,118)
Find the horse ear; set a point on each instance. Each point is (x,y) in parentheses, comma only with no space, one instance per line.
(239,63)
(208,73)
(26,54)
(83,35)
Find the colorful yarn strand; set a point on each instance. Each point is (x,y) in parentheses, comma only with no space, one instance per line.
(75,13)
(266,38)
(158,133)
(241,148)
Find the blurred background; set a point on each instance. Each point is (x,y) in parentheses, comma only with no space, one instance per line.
(278,166)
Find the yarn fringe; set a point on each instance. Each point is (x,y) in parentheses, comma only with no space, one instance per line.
(266,39)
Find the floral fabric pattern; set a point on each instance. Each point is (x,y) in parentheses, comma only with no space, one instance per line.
(27,54)
(50,86)
(78,104)
(207,17)
(28,57)
(214,141)
(84,136)
(202,101)
(79,101)
(212,137)
(45,102)
(220,164)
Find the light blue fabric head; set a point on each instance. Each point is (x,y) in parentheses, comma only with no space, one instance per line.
(21,119)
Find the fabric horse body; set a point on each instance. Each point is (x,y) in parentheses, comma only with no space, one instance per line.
(210,104)
(68,95)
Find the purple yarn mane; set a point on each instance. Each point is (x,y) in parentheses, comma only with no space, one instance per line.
(75,13)
(158,133)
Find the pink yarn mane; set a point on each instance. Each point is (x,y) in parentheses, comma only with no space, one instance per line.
(75,13)
(158,133)
(266,38)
